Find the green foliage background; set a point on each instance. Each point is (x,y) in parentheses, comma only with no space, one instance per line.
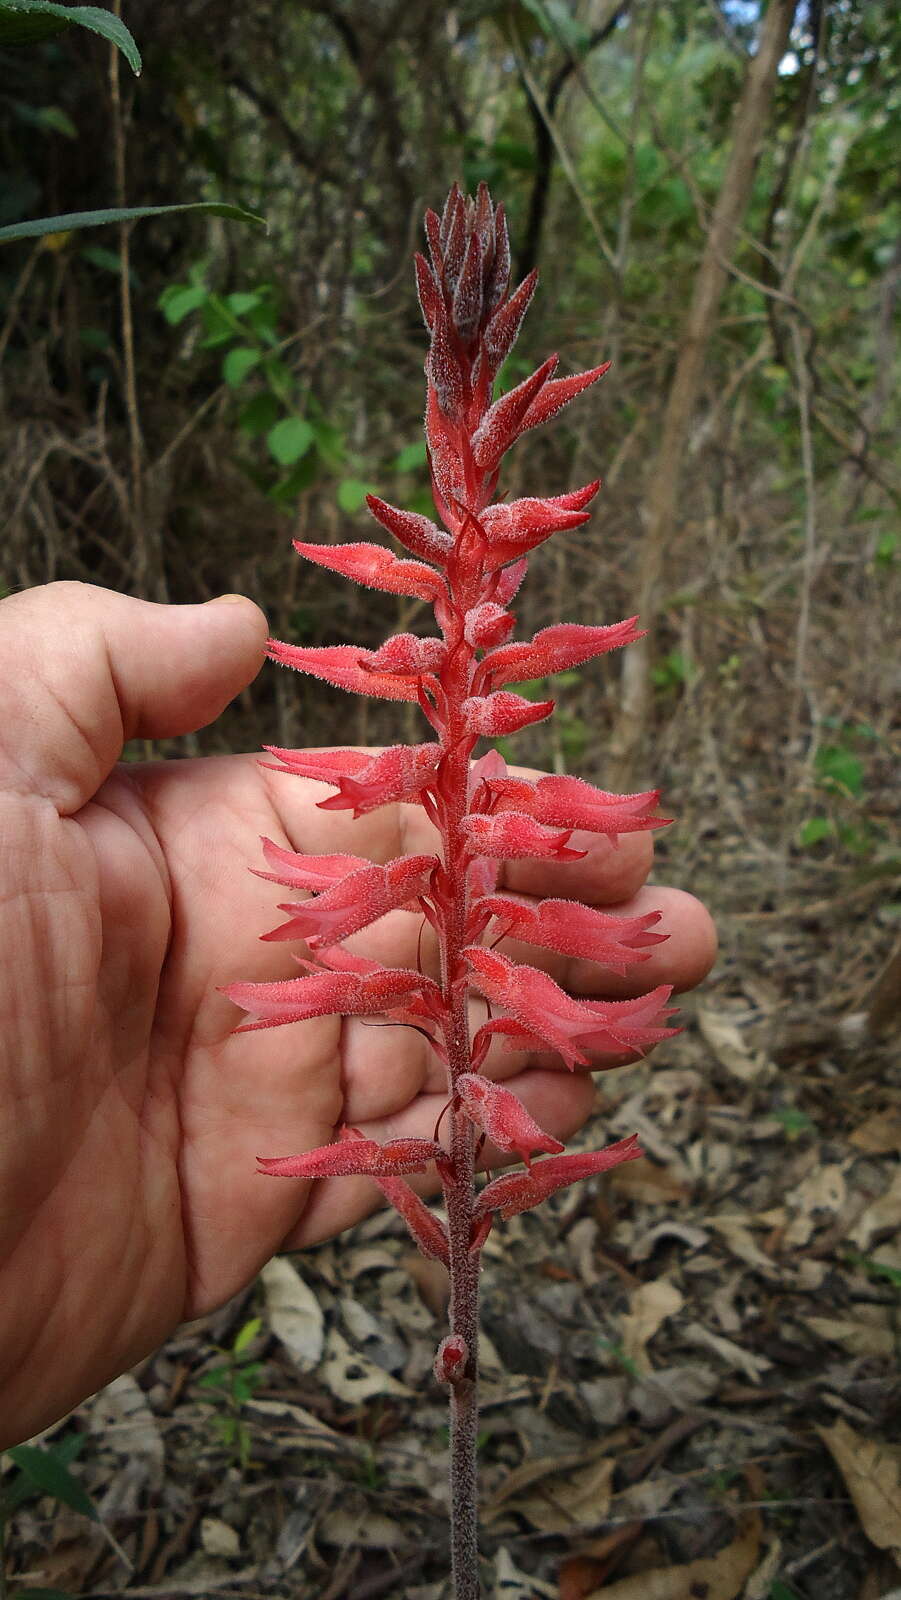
(278,377)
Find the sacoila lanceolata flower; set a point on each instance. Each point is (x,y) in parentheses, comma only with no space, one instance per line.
(468,566)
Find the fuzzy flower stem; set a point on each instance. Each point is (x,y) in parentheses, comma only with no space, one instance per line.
(470,569)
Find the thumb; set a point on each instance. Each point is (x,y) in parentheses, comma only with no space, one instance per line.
(85,670)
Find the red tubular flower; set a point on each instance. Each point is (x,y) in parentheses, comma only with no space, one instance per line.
(512,837)
(520,1191)
(354,1156)
(324,994)
(356,900)
(502,1116)
(364,781)
(554,801)
(576,930)
(376,568)
(468,565)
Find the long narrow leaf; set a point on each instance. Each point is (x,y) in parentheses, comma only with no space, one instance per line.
(51,1476)
(29,21)
(97,219)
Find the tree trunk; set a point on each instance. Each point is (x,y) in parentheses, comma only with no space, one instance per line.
(662,493)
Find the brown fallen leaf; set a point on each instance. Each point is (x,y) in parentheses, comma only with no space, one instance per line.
(720,1577)
(872,1472)
(555,1494)
(649,1307)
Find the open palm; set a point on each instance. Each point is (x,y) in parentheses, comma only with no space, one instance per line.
(131,1113)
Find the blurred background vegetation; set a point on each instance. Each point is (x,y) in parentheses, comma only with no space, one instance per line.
(272,380)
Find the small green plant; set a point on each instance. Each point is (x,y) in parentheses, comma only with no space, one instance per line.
(879,1271)
(41,1470)
(674,672)
(793,1121)
(230,1386)
(840,772)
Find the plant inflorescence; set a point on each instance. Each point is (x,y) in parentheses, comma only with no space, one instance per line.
(468,566)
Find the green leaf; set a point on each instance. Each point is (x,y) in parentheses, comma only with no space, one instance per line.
(50,119)
(411,457)
(839,768)
(106,260)
(782,1591)
(28,21)
(98,219)
(246,1335)
(49,1474)
(813,831)
(238,363)
(179,300)
(289,440)
(298,479)
(242,301)
(352,494)
(41,1594)
(259,415)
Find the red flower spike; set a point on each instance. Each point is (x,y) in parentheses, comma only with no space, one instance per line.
(354,1156)
(520,1191)
(426,1230)
(469,569)
(576,930)
(495,714)
(503,1117)
(344,666)
(451,1358)
(556,649)
(558,393)
(514,837)
(356,901)
(325,994)
(416,533)
(375,567)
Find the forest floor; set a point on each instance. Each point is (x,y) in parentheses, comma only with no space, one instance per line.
(691,1380)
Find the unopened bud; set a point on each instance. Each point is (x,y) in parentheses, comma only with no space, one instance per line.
(451,1358)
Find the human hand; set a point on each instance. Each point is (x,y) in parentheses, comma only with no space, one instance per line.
(131,1113)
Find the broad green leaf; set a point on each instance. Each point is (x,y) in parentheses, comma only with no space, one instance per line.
(297,480)
(813,830)
(840,768)
(782,1591)
(179,300)
(289,440)
(98,219)
(352,494)
(238,363)
(411,457)
(242,301)
(49,1474)
(29,21)
(259,415)
(246,1335)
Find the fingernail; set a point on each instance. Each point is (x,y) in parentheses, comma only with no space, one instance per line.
(228,600)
